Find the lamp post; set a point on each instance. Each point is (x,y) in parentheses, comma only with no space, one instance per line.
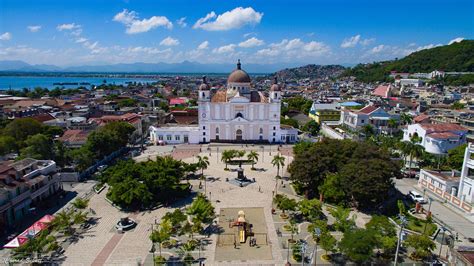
(303,251)
(317,233)
(263,153)
(288,254)
(152,247)
(403,221)
(442,240)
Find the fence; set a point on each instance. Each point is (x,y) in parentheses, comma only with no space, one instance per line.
(453,200)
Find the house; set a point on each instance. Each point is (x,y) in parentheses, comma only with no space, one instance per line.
(437,138)
(74,138)
(23,186)
(383,91)
(325,112)
(133,119)
(369,115)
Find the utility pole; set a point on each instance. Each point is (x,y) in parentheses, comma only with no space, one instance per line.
(303,251)
(403,221)
(317,233)
(442,240)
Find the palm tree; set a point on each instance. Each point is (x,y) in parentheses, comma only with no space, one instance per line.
(253,156)
(405,118)
(162,234)
(416,151)
(278,161)
(392,123)
(226,157)
(203,163)
(80,203)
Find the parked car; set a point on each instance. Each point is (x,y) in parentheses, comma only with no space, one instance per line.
(416,197)
(101,168)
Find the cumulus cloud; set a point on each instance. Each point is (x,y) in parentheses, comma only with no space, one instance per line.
(230,48)
(70,26)
(168,41)
(350,42)
(252,42)
(295,48)
(366,42)
(134,25)
(458,39)
(6,36)
(182,22)
(148,50)
(81,40)
(204,45)
(34,28)
(234,19)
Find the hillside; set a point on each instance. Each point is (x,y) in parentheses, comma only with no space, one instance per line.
(309,71)
(457,57)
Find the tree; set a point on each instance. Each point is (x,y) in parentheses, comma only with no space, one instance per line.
(327,242)
(385,233)
(343,221)
(161,234)
(456,157)
(312,127)
(405,118)
(331,189)
(392,123)
(422,244)
(203,163)
(278,161)
(39,146)
(226,156)
(7,145)
(20,129)
(80,203)
(311,209)
(457,106)
(358,244)
(289,121)
(368,130)
(201,209)
(414,150)
(253,156)
(284,203)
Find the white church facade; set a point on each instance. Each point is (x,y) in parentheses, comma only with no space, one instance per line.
(238,114)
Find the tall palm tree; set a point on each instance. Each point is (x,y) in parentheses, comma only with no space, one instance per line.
(203,163)
(416,151)
(392,123)
(253,156)
(278,161)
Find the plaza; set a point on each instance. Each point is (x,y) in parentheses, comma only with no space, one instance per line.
(102,245)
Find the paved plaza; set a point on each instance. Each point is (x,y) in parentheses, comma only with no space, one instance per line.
(102,245)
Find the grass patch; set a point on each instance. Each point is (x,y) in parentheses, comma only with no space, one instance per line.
(418,225)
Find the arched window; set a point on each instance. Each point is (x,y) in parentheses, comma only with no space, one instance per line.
(239,115)
(261,131)
(202,95)
(217,130)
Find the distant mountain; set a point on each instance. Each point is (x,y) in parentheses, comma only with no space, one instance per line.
(183,67)
(309,71)
(457,57)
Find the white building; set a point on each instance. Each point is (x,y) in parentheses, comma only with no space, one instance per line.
(466,183)
(437,138)
(237,114)
(369,115)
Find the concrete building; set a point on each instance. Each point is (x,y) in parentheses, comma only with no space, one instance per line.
(437,138)
(24,185)
(325,112)
(369,115)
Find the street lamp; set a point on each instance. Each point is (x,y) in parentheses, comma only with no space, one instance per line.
(263,153)
(403,221)
(317,233)
(303,251)
(442,240)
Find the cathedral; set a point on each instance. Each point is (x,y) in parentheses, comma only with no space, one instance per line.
(238,114)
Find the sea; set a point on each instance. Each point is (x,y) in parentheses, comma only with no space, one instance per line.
(51,82)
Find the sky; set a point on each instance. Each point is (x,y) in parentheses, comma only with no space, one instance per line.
(86,32)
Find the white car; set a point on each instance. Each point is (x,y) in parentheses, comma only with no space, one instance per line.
(416,197)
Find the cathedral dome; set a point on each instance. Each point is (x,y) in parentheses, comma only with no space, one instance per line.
(275,86)
(238,75)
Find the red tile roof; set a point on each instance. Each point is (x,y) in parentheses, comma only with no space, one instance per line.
(421,118)
(368,109)
(74,135)
(382,91)
(442,127)
(442,135)
(43,117)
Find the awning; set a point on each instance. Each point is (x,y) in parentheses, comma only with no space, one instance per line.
(31,232)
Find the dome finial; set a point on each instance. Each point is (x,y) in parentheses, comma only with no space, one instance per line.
(275,80)
(204,79)
(238,64)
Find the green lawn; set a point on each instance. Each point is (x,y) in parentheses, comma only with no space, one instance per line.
(418,225)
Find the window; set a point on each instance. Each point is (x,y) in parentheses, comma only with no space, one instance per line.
(261,131)
(239,115)
(203,139)
(203,95)
(217,137)
(260,138)
(168,137)
(217,130)
(203,127)
(274,128)
(274,134)
(160,137)
(362,121)
(177,137)
(204,133)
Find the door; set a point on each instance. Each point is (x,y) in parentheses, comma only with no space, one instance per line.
(238,135)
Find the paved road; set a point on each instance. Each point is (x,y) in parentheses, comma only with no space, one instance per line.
(452,218)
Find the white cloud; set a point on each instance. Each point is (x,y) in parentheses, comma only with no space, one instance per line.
(81,40)
(34,28)
(234,19)
(295,49)
(182,22)
(6,36)
(246,35)
(204,45)
(168,41)
(148,50)
(350,42)
(377,49)
(135,25)
(366,42)
(252,42)
(70,26)
(230,48)
(458,39)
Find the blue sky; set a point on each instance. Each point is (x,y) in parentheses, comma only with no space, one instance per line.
(220,31)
